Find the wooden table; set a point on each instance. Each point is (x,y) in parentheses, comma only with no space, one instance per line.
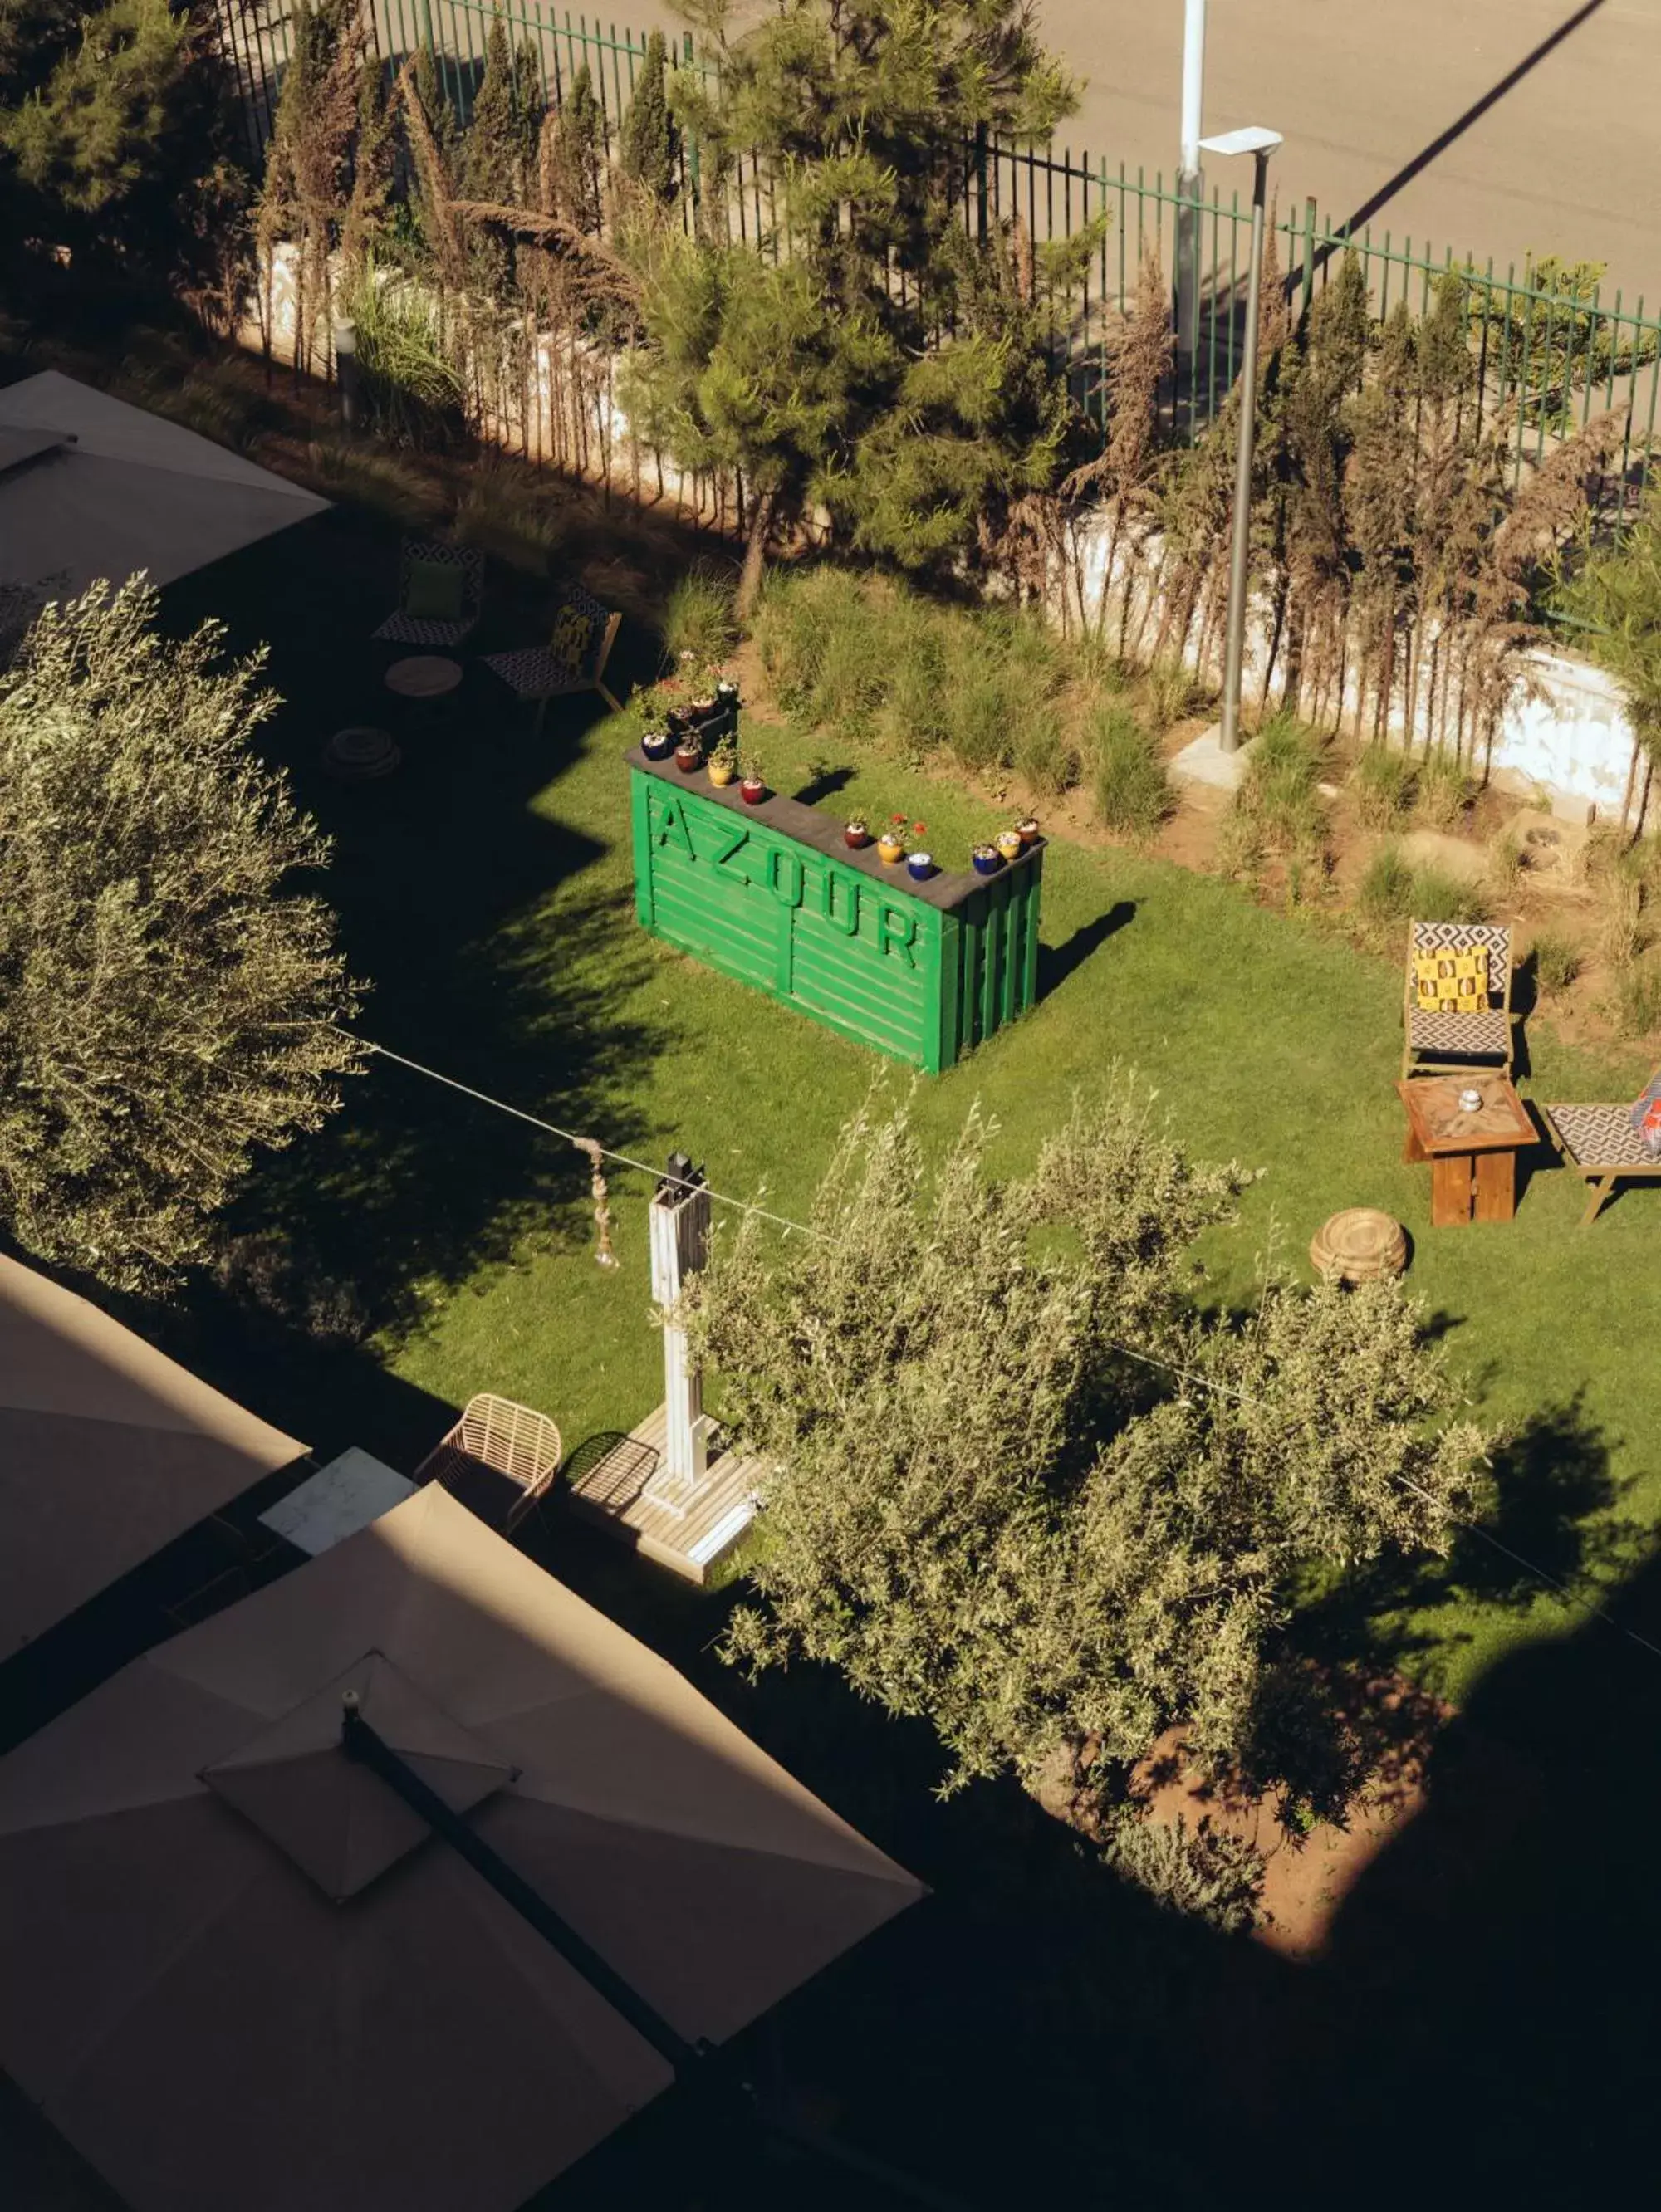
(1472,1155)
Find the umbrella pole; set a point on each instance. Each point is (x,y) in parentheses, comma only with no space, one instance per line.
(359,1741)
(689,2060)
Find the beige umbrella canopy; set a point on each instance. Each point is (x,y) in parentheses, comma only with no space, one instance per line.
(91,486)
(107,1452)
(234,1969)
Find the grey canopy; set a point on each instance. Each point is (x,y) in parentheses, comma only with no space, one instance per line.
(91,487)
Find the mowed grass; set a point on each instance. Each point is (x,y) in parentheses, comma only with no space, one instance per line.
(486,893)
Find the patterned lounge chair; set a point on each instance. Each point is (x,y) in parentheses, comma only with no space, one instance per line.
(1601,1145)
(573,660)
(499,1459)
(1439,1042)
(427,590)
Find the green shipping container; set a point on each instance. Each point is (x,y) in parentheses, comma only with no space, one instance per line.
(772,895)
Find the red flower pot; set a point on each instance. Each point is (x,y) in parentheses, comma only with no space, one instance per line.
(752,791)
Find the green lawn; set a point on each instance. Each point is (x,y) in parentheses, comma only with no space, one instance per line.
(486,895)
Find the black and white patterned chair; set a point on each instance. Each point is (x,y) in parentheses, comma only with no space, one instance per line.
(406,628)
(1440,1043)
(573,660)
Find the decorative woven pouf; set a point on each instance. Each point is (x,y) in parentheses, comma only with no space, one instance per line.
(1358,1245)
(359,754)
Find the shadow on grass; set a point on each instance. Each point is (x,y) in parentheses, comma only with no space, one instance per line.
(1057,962)
(451,879)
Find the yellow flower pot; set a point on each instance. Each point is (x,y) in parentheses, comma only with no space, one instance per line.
(890,849)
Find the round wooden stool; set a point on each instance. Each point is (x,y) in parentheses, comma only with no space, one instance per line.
(1359,1245)
(358,755)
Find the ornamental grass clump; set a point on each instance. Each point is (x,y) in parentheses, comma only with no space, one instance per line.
(1279,795)
(989,1509)
(1128,782)
(1382,788)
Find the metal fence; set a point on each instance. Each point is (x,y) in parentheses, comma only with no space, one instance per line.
(1550,351)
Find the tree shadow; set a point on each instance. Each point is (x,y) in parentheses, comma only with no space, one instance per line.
(1554,1515)
(1505,1946)
(451,879)
(1057,962)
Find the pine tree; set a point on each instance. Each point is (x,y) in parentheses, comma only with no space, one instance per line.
(371,171)
(859,120)
(579,154)
(651,141)
(488,165)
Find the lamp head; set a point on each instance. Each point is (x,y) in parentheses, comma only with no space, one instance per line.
(1253,138)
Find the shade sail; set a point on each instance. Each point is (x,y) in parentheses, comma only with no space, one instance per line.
(108,1451)
(234,1969)
(90,487)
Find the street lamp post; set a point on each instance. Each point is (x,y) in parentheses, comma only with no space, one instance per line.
(1191,183)
(1260,144)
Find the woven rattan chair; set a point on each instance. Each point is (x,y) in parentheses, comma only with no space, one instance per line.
(1603,1148)
(499,1459)
(1448,1044)
(573,660)
(405,629)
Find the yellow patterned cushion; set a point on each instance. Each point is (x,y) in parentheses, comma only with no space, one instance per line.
(570,642)
(1450,982)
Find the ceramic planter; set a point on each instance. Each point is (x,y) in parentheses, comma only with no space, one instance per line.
(1009,843)
(657,744)
(752,791)
(920,865)
(856,834)
(987,859)
(689,758)
(890,849)
(1028,830)
(722,772)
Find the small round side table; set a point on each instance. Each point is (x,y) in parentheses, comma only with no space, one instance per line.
(423,676)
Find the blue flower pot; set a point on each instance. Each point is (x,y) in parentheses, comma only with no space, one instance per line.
(988,864)
(658,746)
(920,866)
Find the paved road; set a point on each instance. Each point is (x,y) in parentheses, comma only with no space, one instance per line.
(1567,159)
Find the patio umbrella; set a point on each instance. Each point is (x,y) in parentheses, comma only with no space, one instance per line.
(108,1451)
(236,1968)
(90,487)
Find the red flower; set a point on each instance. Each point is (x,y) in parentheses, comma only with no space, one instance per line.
(898,818)
(918,828)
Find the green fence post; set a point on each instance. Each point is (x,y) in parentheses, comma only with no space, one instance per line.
(1309,261)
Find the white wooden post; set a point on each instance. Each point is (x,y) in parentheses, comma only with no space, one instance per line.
(680,1218)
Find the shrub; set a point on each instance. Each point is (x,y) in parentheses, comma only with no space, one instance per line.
(511,518)
(381,481)
(1132,791)
(1385,893)
(979,731)
(1620,931)
(699,617)
(1278,791)
(823,639)
(1439,896)
(1045,757)
(1507,865)
(1441,790)
(412,391)
(1634,1006)
(1201,1871)
(1173,692)
(1556,961)
(1382,784)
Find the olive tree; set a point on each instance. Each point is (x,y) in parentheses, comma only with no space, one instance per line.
(1018,1484)
(166,999)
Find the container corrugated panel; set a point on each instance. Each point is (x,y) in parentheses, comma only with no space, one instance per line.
(771,895)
